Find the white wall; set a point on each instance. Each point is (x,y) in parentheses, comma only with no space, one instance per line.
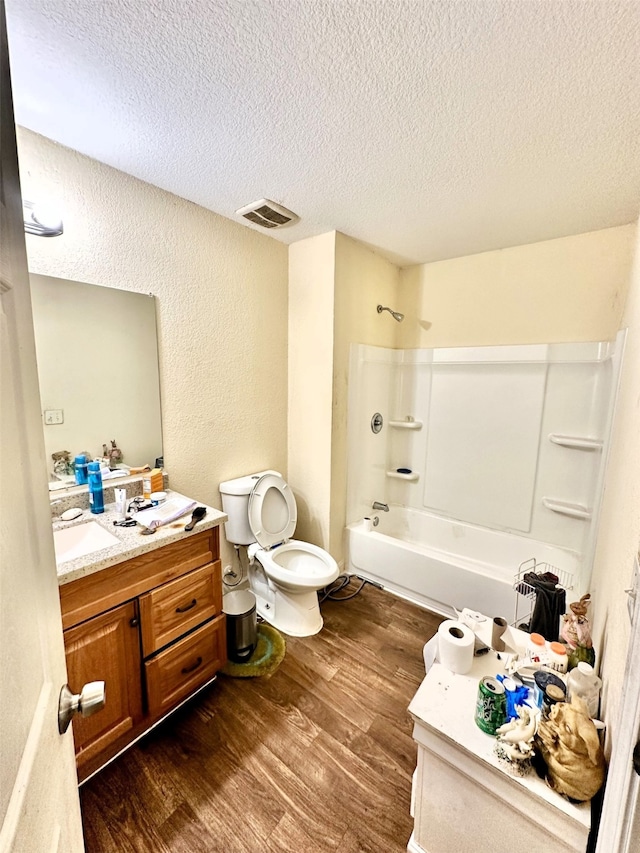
(221,292)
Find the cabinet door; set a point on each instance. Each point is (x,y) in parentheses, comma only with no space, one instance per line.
(106,648)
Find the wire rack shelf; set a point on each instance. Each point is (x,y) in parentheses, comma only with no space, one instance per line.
(526,593)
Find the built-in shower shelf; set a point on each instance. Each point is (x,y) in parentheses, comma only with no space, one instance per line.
(566,508)
(406,424)
(396,475)
(577,441)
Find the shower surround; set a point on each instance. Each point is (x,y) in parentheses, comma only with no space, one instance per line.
(487,457)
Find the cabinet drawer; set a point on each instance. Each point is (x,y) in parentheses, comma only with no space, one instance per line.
(177,607)
(185,666)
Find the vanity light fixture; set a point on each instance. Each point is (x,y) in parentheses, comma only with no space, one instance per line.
(41,220)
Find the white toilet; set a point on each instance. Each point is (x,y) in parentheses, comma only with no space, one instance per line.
(284,574)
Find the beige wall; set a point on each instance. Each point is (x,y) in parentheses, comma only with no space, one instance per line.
(335,284)
(569,289)
(619,534)
(363,280)
(221,293)
(311,310)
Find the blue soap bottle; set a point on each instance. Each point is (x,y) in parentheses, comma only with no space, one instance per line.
(81,470)
(96,495)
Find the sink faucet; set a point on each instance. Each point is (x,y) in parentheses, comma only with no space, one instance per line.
(378,505)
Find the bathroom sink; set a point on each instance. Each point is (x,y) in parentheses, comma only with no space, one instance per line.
(80,540)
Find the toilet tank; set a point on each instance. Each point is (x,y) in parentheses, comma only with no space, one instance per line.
(235,503)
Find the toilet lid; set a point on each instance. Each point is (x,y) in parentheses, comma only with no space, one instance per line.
(272,511)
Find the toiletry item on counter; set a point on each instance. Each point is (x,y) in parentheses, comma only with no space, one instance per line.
(96,494)
(456,642)
(557,657)
(550,689)
(156,480)
(81,470)
(582,681)
(197,515)
(146,487)
(121,504)
(158,498)
(70,514)
(537,647)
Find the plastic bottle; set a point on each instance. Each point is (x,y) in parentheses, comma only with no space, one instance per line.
(81,470)
(96,495)
(582,681)
(146,487)
(558,658)
(537,647)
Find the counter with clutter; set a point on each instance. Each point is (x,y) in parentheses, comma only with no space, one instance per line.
(506,742)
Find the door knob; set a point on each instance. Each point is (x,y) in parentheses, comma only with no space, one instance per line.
(90,699)
(636,758)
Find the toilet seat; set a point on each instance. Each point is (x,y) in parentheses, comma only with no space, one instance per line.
(298,565)
(272,511)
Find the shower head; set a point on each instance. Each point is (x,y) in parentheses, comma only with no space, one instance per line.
(395,314)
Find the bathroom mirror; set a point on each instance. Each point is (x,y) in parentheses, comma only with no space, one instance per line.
(97,354)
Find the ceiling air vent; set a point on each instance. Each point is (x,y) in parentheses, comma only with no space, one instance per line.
(267,213)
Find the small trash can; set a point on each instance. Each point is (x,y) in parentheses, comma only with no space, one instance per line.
(242,624)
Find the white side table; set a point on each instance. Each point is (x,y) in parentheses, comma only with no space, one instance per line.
(464,801)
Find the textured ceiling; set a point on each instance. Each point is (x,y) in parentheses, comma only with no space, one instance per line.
(428,129)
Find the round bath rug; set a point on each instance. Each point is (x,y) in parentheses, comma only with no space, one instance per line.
(266,658)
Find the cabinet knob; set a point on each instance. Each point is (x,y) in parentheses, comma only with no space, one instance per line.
(90,699)
(134,622)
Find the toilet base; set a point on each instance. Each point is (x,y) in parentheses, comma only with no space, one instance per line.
(294,614)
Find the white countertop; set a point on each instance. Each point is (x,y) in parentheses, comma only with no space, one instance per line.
(446,702)
(132,542)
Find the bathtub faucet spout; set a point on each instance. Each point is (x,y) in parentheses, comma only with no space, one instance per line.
(378,505)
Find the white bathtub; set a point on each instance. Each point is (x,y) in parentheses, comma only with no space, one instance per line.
(440,564)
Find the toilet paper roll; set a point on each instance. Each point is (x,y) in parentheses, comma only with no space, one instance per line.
(455,646)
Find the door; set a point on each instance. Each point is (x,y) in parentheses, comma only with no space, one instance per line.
(39,804)
(620,825)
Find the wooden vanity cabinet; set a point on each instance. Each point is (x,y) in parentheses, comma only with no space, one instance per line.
(106,648)
(153,630)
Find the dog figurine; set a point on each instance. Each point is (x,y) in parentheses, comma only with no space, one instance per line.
(569,744)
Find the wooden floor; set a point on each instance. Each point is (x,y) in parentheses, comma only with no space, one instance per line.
(316,758)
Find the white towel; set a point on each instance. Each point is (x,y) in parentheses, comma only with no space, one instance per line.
(165,513)
(108,474)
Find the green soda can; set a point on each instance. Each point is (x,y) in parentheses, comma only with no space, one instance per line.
(491,705)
